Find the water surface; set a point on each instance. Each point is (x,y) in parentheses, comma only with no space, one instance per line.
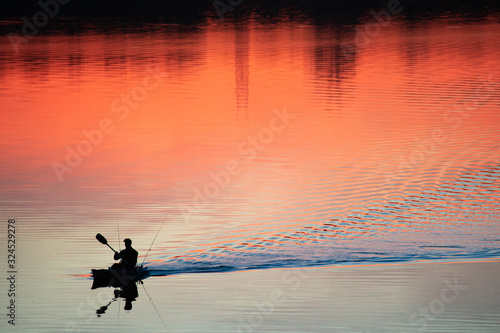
(252,145)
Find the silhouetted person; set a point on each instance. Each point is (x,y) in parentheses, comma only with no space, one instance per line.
(128,256)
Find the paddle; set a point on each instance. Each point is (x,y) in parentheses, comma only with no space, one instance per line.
(104,241)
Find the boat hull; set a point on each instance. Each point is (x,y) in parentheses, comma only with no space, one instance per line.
(117,278)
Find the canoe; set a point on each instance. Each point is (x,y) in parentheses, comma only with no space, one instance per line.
(116,278)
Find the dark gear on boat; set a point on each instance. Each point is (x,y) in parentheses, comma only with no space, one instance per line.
(128,256)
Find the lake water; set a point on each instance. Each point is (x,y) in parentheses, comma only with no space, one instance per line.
(247,145)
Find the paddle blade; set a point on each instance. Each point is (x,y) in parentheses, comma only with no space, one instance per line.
(101,239)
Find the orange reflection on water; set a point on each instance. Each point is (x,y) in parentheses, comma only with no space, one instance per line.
(355,121)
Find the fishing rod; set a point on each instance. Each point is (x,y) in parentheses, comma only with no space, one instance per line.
(154,240)
(154,306)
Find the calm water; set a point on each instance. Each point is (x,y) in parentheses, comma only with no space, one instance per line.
(252,145)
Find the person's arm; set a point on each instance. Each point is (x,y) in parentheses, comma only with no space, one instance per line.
(117,256)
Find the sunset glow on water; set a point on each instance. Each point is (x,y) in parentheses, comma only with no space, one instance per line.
(254,144)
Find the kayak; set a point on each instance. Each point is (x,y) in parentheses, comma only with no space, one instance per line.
(117,278)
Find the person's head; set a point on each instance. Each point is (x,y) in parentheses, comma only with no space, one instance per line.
(128,242)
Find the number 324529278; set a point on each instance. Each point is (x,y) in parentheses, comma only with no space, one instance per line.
(11,243)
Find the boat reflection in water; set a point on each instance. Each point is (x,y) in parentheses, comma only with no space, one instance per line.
(124,281)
